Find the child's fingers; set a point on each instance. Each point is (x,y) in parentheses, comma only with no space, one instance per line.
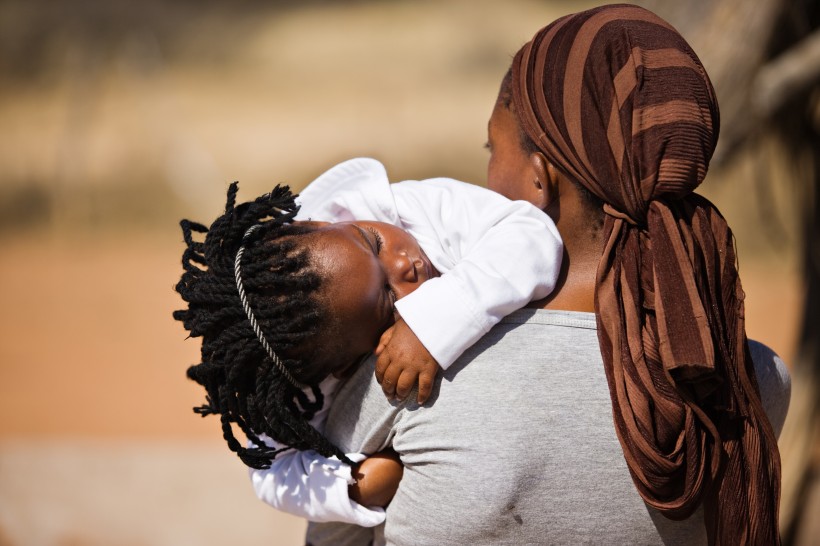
(426,381)
(384,340)
(390,381)
(405,384)
(382,363)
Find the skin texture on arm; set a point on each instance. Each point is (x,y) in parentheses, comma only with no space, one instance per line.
(377,479)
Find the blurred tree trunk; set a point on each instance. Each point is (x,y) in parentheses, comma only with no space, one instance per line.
(764,60)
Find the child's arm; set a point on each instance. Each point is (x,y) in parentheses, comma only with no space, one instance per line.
(308,485)
(496,256)
(377,479)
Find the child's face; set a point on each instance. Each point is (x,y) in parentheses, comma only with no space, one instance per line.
(365,267)
(510,171)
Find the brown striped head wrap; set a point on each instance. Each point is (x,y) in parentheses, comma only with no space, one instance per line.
(617,100)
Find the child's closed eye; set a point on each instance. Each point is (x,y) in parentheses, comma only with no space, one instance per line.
(377,238)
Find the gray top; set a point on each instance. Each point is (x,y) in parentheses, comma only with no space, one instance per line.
(516,445)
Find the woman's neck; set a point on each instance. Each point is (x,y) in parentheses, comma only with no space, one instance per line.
(575,287)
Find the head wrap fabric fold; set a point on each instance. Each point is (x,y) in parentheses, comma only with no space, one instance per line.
(617,100)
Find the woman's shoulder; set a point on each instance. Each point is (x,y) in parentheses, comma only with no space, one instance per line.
(775,383)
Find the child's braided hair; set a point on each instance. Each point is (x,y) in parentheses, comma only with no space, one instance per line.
(244,386)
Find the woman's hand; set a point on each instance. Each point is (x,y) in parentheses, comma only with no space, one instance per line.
(377,479)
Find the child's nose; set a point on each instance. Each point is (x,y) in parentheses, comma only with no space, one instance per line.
(406,268)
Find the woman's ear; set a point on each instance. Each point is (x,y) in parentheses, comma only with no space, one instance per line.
(543,189)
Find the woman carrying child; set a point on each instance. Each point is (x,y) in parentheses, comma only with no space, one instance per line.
(628,407)
(285,307)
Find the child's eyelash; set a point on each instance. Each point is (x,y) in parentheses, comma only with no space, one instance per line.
(379,244)
(378,238)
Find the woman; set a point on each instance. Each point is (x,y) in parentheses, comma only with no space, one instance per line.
(606,121)
(615,109)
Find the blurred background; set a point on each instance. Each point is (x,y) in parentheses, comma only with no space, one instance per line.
(120,117)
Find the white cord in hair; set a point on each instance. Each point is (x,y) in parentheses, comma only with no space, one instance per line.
(247,307)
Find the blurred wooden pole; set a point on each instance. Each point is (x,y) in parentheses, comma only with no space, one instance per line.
(789,75)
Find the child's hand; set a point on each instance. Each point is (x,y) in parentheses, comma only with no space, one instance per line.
(377,479)
(402,360)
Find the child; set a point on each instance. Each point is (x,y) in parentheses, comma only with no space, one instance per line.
(283,305)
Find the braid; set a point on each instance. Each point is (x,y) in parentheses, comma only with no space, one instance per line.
(242,383)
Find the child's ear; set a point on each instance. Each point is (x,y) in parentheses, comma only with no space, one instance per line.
(544,183)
